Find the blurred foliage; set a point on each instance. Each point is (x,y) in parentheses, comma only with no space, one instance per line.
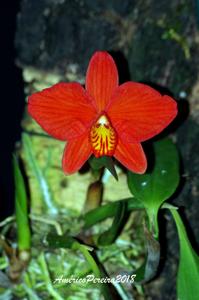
(116,239)
(106,241)
(48,263)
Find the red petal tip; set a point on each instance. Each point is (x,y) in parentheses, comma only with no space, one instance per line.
(101,79)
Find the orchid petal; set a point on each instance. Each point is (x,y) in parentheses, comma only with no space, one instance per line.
(64,110)
(101,79)
(138,112)
(131,156)
(76,153)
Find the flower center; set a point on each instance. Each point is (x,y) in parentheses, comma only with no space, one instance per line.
(103,137)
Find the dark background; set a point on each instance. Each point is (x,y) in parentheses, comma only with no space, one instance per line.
(12,104)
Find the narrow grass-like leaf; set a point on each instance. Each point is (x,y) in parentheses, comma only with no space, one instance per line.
(188,270)
(44,188)
(21,209)
(46,278)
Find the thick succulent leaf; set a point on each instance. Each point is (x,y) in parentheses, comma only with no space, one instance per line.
(154,187)
(188,270)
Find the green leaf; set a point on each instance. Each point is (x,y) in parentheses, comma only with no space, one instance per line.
(59,241)
(154,187)
(109,236)
(103,162)
(109,210)
(21,209)
(149,268)
(188,270)
(44,187)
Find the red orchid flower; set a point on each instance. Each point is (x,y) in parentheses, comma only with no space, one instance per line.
(104,118)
